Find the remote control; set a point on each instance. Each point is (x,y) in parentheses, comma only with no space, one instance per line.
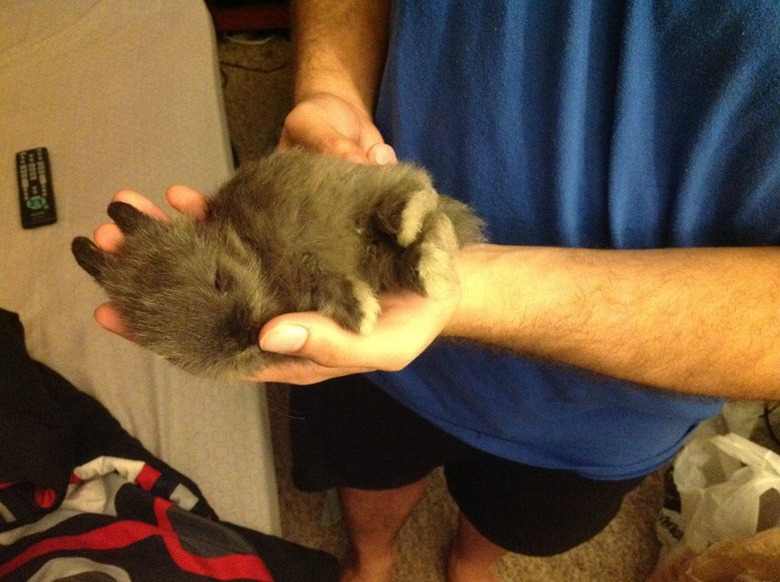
(36,194)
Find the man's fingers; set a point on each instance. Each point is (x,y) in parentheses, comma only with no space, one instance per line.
(335,144)
(107,316)
(303,373)
(108,237)
(188,201)
(327,124)
(328,142)
(141,203)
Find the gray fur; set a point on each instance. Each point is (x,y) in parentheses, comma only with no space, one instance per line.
(292,232)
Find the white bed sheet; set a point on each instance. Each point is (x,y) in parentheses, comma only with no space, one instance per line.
(124,94)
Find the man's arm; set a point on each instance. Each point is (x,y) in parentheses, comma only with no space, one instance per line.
(701,321)
(698,321)
(340,50)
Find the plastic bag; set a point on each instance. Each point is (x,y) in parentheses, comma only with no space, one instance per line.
(723,487)
(729,487)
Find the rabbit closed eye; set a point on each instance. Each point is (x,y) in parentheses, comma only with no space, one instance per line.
(288,233)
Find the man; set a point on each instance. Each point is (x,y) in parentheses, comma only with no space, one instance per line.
(625,158)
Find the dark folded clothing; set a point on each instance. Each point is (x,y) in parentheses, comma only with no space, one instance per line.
(81,496)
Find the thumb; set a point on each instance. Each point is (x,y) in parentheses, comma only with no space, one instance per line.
(310,336)
(284,338)
(381,153)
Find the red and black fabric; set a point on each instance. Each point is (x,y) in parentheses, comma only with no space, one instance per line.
(82,499)
(48,427)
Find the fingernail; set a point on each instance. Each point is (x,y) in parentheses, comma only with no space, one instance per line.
(284,339)
(383,154)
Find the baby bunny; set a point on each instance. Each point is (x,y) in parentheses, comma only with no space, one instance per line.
(292,232)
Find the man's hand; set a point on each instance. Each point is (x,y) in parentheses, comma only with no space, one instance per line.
(406,327)
(331,125)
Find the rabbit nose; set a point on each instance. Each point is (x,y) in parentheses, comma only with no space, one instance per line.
(247,337)
(253,336)
(239,328)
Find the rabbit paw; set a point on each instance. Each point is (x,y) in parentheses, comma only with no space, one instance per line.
(404,217)
(368,306)
(437,246)
(354,305)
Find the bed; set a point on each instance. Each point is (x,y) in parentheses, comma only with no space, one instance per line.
(123,94)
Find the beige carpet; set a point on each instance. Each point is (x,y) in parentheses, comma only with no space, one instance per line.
(257,101)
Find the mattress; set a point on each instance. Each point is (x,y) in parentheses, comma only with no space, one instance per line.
(123,94)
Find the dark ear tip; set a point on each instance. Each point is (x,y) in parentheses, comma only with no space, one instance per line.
(80,243)
(119,207)
(87,255)
(126,216)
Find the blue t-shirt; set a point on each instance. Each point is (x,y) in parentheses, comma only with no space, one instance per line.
(613,125)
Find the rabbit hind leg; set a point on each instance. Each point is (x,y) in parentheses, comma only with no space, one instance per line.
(403,216)
(437,247)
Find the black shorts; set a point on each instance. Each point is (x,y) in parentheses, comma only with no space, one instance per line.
(349,433)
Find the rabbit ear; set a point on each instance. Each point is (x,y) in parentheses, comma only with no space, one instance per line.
(89,256)
(128,218)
